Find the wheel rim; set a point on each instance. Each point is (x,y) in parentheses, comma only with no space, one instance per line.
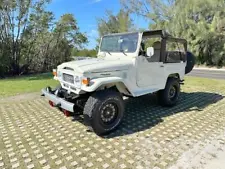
(109,113)
(172,92)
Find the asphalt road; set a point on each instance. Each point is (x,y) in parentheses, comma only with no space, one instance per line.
(211,74)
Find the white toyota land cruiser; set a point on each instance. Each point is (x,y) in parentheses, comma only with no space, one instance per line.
(128,64)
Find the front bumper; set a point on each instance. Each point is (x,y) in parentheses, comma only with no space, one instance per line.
(58,102)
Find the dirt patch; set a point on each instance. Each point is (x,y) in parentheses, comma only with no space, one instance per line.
(20,97)
(204,155)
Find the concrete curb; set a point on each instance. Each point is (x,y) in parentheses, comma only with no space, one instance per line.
(212,69)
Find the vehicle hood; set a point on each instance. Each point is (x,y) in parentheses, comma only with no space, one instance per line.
(96,65)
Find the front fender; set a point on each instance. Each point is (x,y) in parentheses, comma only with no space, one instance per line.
(96,83)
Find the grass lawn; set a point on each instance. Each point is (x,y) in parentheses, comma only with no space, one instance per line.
(34,83)
(203,84)
(26,84)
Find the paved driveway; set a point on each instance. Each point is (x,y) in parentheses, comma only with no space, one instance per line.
(34,135)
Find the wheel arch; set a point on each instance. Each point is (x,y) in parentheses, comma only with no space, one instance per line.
(106,83)
(118,86)
(174,75)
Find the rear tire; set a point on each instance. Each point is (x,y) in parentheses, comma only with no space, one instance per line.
(170,95)
(103,111)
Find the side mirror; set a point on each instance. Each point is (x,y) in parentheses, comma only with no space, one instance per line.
(150,52)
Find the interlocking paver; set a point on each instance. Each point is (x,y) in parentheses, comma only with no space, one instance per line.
(69,158)
(105,165)
(54,157)
(35,135)
(58,162)
(31,166)
(42,162)
(46,167)
(63,167)
(1,164)
(16,165)
(27,160)
(89,164)
(39,156)
(74,163)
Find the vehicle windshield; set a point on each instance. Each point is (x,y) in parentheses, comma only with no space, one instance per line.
(126,43)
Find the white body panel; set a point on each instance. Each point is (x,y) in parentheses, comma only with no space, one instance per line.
(137,75)
(130,73)
(150,74)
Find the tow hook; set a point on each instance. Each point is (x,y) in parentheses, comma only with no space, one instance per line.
(49,90)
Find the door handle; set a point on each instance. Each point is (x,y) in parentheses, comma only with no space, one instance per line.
(161,66)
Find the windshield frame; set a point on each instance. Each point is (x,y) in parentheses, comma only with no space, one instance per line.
(121,34)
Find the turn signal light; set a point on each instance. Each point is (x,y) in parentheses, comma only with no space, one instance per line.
(54,72)
(86,81)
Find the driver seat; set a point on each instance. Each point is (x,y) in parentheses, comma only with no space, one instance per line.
(157,52)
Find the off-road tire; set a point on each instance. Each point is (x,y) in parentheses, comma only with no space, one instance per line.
(164,95)
(95,106)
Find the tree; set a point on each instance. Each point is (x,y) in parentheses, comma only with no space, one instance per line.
(115,23)
(200,22)
(84,52)
(65,36)
(13,20)
(36,38)
(31,40)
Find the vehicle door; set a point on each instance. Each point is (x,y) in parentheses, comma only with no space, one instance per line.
(150,71)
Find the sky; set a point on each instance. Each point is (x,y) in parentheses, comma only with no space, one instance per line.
(86,13)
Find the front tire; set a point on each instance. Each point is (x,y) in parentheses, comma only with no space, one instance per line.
(170,95)
(103,111)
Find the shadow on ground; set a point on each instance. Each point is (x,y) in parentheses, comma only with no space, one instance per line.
(144,112)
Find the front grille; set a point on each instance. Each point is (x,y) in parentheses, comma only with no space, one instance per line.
(68,78)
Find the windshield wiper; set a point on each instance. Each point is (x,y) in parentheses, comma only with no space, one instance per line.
(108,52)
(123,52)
